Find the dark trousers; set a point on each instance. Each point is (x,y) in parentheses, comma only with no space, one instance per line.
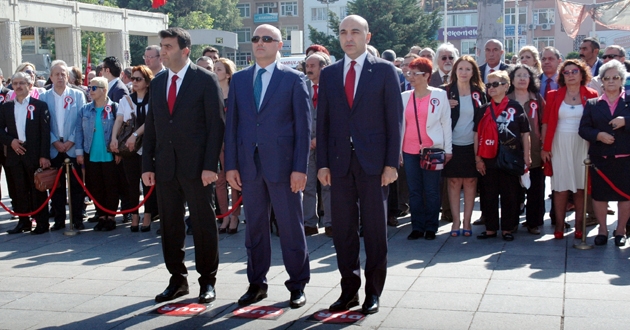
(259,195)
(398,200)
(58,199)
(122,186)
(498,183)
(346,192)
(172,196)
(99,177)
(27,198)
(536,198)
(424,194)
(133,172)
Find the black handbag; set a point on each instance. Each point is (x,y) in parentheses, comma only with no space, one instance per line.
(431,159)
(508,161)
(126,130)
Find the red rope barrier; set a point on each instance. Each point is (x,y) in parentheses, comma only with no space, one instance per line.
(52,191)
(612,185)
(74,170)
(234,206)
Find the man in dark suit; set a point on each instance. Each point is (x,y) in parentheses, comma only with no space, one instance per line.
(550,59)
(267,141)
(589,52)
(182,141)
(494,52)
(359,132)
(25,130)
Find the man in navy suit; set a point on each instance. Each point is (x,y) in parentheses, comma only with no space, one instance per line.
(589,52)
(267,140)
(494,52)
(359,133)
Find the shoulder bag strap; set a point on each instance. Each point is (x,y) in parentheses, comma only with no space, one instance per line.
(415,111)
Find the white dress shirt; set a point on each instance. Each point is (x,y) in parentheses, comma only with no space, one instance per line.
(488,68)
(180,77)
(20,112)
(265,78)
(60,111)
(358,66)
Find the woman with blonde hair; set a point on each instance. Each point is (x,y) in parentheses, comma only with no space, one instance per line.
(529,56)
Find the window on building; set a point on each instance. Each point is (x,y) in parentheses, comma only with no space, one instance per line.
(578,41)
(468,47)
(542,42)
(319,14)
(286,32)
(467,19)
(242,59)
(289,8)
(267,8)
(343,12)
(244,35)
(243,8)
(510,16)
(544,16)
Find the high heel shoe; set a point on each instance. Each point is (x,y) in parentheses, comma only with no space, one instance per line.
(578,234)
(134,229)
(145,229)
(231,230)
(558,234)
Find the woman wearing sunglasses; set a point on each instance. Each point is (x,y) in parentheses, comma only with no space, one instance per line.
(28,68)
(138,105)
(561,143)
(501,121)
(604,126)
(96,120)
(426,125)
(467,95)
(525,91)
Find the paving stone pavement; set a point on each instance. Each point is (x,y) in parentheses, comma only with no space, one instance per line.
(107,280)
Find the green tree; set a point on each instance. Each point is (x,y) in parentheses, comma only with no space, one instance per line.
(331,42)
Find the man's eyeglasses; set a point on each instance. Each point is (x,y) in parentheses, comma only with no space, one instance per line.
(150,57)
(19,83)
(265,39)
(444,58)
(609,78)
(610,56)
(495,84)
(94,88)
(414,74)
(570,72)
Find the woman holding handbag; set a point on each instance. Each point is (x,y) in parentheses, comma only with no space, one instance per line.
(135,107)
(501,135)
(426,147)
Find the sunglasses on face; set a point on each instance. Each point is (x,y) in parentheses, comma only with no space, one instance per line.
(495,84)
(611,78)
(31,72)
(413,74)
(138,79)
(93,88)
(610,56)
(447,57)
(265,39)
(571,72)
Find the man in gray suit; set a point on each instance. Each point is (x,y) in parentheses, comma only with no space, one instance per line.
(314,65)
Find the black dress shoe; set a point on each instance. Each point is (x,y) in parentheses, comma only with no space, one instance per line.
(429,235)
(58,226)
(134,229)
(298,299)
(145,229)
(485,235)
(93,219)
(207,294)
(110,225)
(415,234)
(344,303)
(171,293)
(189,231)
(20,228)
(79,226)
(254,294)
(40,230)
(392,221)
(370,305)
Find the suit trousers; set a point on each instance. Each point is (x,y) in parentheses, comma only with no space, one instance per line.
(172,196)
(98,180)
(536,198)
(498,183)
(26,197)
(133,171)
(58,199)
(259,195)
(346,192)
(311,218)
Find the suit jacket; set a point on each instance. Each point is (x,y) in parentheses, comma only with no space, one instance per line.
(436,79)
(37,133)
(479,99)
(596,118)
(309,87)
(280,131)
(598,64)
(70,125)
(373,126)
(118,91)
(482,69)
(3,94)
(188,141)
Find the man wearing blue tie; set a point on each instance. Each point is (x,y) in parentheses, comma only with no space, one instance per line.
(267,141)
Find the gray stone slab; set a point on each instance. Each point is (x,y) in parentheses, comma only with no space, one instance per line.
(538,262)
(27,284)
(440,301)
(457,271)
(485,320)
(9,296)
(525,273)
(84,286)
(16,319)
(521,305)
(589,322)
(56,302)
(451,285)
(526,288)
(597,291)
(115,273)
(597,277)
(596,308)
(80,321)
(116,305)
(407,318)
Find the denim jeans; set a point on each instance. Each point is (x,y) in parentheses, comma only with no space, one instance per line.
(424,194)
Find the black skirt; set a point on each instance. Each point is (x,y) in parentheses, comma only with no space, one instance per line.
(462,164)
(616,170)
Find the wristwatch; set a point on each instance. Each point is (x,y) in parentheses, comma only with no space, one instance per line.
(135,134)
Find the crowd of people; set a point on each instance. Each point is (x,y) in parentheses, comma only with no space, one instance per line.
(352,145)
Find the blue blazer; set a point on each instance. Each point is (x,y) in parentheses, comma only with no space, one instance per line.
(374,122)
(117,91)
(280,130)
(70,124)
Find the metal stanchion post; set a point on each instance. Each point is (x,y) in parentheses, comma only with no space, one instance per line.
(582,245)
(71,231)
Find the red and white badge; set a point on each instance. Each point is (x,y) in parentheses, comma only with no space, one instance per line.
(1,98)
(31,109)
(434,102)
(67,101)
(108,111)
(533,106)
(510,114)
(477,97)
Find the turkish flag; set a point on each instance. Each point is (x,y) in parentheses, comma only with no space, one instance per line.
(158,3)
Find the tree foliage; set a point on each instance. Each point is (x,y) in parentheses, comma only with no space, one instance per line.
(331,42)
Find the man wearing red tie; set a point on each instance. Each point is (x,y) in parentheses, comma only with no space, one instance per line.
(550,58)
(182,140)
(359,132)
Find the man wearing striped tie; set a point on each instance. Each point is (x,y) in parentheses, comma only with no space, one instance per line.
(550,59)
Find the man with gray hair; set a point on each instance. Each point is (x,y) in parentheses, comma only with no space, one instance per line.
(152,59)
(447,54)
(550,59)
(494,54)
(28,148)
(612,52)
(427,53)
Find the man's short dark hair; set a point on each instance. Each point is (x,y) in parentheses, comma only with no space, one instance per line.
(98,69)
(209,49)
(554,50)
(127,72)
(593,41)
(183,37)
(113,64)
